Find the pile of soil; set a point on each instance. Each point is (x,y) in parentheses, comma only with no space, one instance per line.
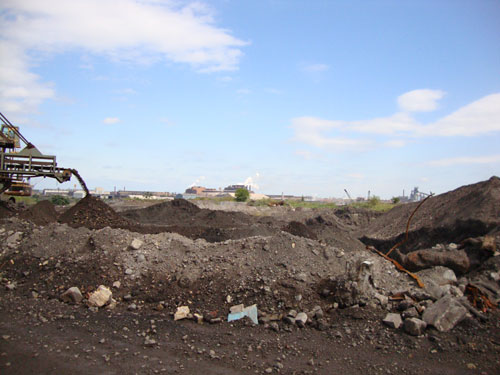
(469,211)
(165,213)
(181,212)
(92,213)
(42,213)
(5,209)
(298,229)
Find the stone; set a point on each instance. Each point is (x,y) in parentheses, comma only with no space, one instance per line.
(456,260)
(149,342)
(141,258)
(10,286)
(445,314)
(117,284)
(72,295)
(181,313)
(128,271)
(383,300)
(136,244)
(301,319)
(414,326)
(410,313)
(393,320)
(132,307)
(100,297)
(236,308)
(438,281)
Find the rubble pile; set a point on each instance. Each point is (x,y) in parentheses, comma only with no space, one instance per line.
(287,273)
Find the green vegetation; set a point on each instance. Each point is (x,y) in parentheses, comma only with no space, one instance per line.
(59,200)
(395,200)
(242,195)
(374,204)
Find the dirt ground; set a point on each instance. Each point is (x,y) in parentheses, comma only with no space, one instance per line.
(155,258)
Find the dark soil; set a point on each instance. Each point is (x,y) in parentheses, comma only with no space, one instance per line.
(299,229)
(42,213)
(92,213)
(469,211)
(6,209)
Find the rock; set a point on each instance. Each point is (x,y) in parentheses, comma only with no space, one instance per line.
(11,286)
(383,300)
(128,271)
(100,297)
(428,258)
(13,239)
(274,326)
(136,244)
(117,284)
(301,319)
(236,308)
(410,313)
(141,258)
(149,342)
(414,326)
(181,313)
(132,307)
(72,295)
(393,320)
(445,314)
(437,281)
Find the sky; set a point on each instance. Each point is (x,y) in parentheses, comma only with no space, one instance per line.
(300,97)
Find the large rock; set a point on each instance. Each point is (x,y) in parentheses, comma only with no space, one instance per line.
(393,320)
(136,244)
(445,313)
(100,297)
(438,281)
(458,260)
(414,326)
(72,295)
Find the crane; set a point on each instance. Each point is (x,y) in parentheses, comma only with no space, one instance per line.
(16,166)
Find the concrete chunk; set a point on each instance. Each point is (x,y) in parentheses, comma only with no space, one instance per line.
(100,297)
(72,295)
(445,313)
(414,326)
(136,244)
(393,320)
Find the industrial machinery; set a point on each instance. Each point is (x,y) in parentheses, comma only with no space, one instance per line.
(19,165)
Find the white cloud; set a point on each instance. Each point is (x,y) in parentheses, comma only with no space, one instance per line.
(315,68)
(307,155)
(480,117)
(243,91)
(395,143)
(420,100)
(491,159)
(111,120)
(133,30)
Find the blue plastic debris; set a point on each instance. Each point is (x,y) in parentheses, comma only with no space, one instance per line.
(250,311)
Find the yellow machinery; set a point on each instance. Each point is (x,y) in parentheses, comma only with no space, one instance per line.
(18,166)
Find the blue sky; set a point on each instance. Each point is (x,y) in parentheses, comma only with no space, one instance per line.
(301,97)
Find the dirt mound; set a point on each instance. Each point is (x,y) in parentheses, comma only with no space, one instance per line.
(165,213)
(92,213)
(42,213)
(5,209)
(469,211)
(299,229)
